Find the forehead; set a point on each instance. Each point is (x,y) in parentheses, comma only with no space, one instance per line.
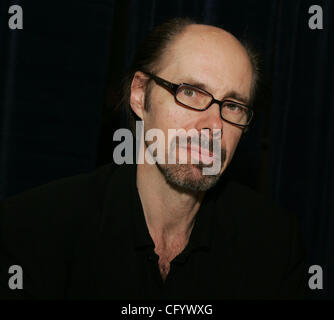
(208,55)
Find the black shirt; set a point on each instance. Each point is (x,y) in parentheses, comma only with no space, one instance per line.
(85,237)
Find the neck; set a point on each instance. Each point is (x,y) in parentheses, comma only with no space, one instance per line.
(169,212)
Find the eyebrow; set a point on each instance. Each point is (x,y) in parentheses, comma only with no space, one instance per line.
(237,96)
(232,94)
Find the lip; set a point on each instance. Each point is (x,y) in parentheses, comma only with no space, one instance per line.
(200,150)
(203,154)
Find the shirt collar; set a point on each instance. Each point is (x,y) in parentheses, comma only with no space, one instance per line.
(126,200)
(141,238)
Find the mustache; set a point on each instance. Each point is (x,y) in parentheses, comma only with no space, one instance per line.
(203,142)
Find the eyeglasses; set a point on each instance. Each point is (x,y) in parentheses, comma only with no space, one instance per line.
(199,99)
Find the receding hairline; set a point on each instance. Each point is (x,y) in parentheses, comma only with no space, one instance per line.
(209,28)
(201,29)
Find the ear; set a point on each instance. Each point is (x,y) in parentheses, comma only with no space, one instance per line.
(137,95)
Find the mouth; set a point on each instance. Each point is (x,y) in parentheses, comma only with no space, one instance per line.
(204,155)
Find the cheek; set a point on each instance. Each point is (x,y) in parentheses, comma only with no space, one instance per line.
(231,138)
(165,114)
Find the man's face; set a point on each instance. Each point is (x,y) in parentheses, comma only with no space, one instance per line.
(202,55)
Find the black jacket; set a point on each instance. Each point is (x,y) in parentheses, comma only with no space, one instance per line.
(85,237)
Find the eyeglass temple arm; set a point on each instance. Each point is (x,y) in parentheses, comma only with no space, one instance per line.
(168,85)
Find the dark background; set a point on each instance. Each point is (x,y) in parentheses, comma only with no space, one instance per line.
(59,85)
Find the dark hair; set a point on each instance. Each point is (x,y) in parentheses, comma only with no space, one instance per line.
(151,51)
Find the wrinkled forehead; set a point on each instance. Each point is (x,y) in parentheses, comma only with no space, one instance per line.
(209,55)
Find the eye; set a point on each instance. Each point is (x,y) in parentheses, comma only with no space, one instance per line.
(189,92)
(233,107)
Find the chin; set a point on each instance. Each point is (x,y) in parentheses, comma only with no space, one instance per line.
(188,177)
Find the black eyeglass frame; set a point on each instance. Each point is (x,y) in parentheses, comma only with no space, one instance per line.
(174,89)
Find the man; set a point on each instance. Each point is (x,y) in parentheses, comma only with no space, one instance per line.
(162,230)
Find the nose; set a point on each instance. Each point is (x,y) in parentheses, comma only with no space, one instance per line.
(211,118)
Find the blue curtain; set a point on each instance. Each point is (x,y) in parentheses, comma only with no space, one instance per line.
(52,90)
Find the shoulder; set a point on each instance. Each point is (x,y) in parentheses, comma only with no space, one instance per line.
(54,208)
(67,192)
(251,206)
(260,224)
